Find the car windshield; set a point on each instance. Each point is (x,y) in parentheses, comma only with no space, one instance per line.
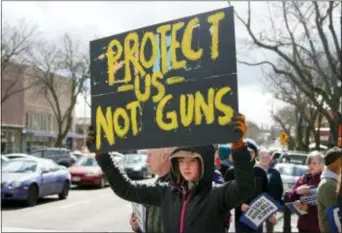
(19,166)
(134,158)
(292,170)
(276,155)
(86,162)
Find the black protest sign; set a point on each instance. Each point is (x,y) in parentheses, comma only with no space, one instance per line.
(170,84)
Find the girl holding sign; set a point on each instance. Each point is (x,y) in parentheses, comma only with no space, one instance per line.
(304,185)
(189,203)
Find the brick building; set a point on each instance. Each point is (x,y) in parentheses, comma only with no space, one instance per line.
(12,106)
(28,117)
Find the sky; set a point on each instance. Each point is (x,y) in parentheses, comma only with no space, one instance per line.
(86,21)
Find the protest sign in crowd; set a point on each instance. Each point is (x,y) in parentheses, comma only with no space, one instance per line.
(172,88)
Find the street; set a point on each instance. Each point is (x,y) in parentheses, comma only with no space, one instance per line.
(86,210)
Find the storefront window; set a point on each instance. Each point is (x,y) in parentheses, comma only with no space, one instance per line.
(13,140)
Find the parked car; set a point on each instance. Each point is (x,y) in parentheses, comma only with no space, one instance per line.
(60,156)
(118,157)
(275,157)
(78,154)
(145,152)
(3,161)
(135,166)
(86,171)
(28,179)
(294,157)
(19,156)
(290,173)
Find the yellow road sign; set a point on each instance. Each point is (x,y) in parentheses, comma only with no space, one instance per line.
(283,138)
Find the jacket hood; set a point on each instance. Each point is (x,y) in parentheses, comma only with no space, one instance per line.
(205,155)
(327,174)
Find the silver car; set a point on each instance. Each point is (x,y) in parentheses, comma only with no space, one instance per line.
(290,173)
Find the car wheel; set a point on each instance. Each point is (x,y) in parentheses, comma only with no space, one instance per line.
(102,183)
(32,196)
(65,191)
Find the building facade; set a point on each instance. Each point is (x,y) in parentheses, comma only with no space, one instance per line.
(12,106)
(37,123)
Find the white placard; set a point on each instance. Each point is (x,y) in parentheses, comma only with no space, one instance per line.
(310,198)
(260,210)
(140,213)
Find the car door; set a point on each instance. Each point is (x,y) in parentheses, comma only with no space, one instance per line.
(48,179)
(59,177)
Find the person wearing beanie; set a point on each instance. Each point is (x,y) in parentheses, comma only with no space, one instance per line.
(261,183)
(224,151)
(189,203)
(327,188)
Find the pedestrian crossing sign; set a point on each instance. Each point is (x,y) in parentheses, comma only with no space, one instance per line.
(283,138)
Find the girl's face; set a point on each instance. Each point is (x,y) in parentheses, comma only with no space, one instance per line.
(189,168)
(315,167)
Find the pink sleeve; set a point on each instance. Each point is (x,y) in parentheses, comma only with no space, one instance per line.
(292,195)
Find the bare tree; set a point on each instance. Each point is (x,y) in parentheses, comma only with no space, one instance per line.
(287,119)
(284,90)
(62,78)
(254,132)
(16,42)
(308,49)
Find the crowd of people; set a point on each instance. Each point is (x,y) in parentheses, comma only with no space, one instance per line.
(198,187)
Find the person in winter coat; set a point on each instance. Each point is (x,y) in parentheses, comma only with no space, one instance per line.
(327,189)
(189,203)
(309,221)
(261,187)
(224,151)
(275,184)
(158,162)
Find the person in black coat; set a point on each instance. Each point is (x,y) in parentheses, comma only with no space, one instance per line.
(275,184)
(189,202)
(260,184)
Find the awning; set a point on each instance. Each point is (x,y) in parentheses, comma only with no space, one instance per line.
(75,135)
(50,134)
(39,133)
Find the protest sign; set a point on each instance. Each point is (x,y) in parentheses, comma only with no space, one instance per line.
(169,84)
(140,213)
(333,217)
(293,208)
(261,208)
(311,197)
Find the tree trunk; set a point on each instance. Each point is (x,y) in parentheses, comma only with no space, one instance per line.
(307,138)
(317,133)
(59,141)
(291,144)
(299,133)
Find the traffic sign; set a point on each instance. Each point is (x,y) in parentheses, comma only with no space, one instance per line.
(283,138)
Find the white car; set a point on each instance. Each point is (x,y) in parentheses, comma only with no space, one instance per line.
(290,173)
(19,156)
(118,157)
